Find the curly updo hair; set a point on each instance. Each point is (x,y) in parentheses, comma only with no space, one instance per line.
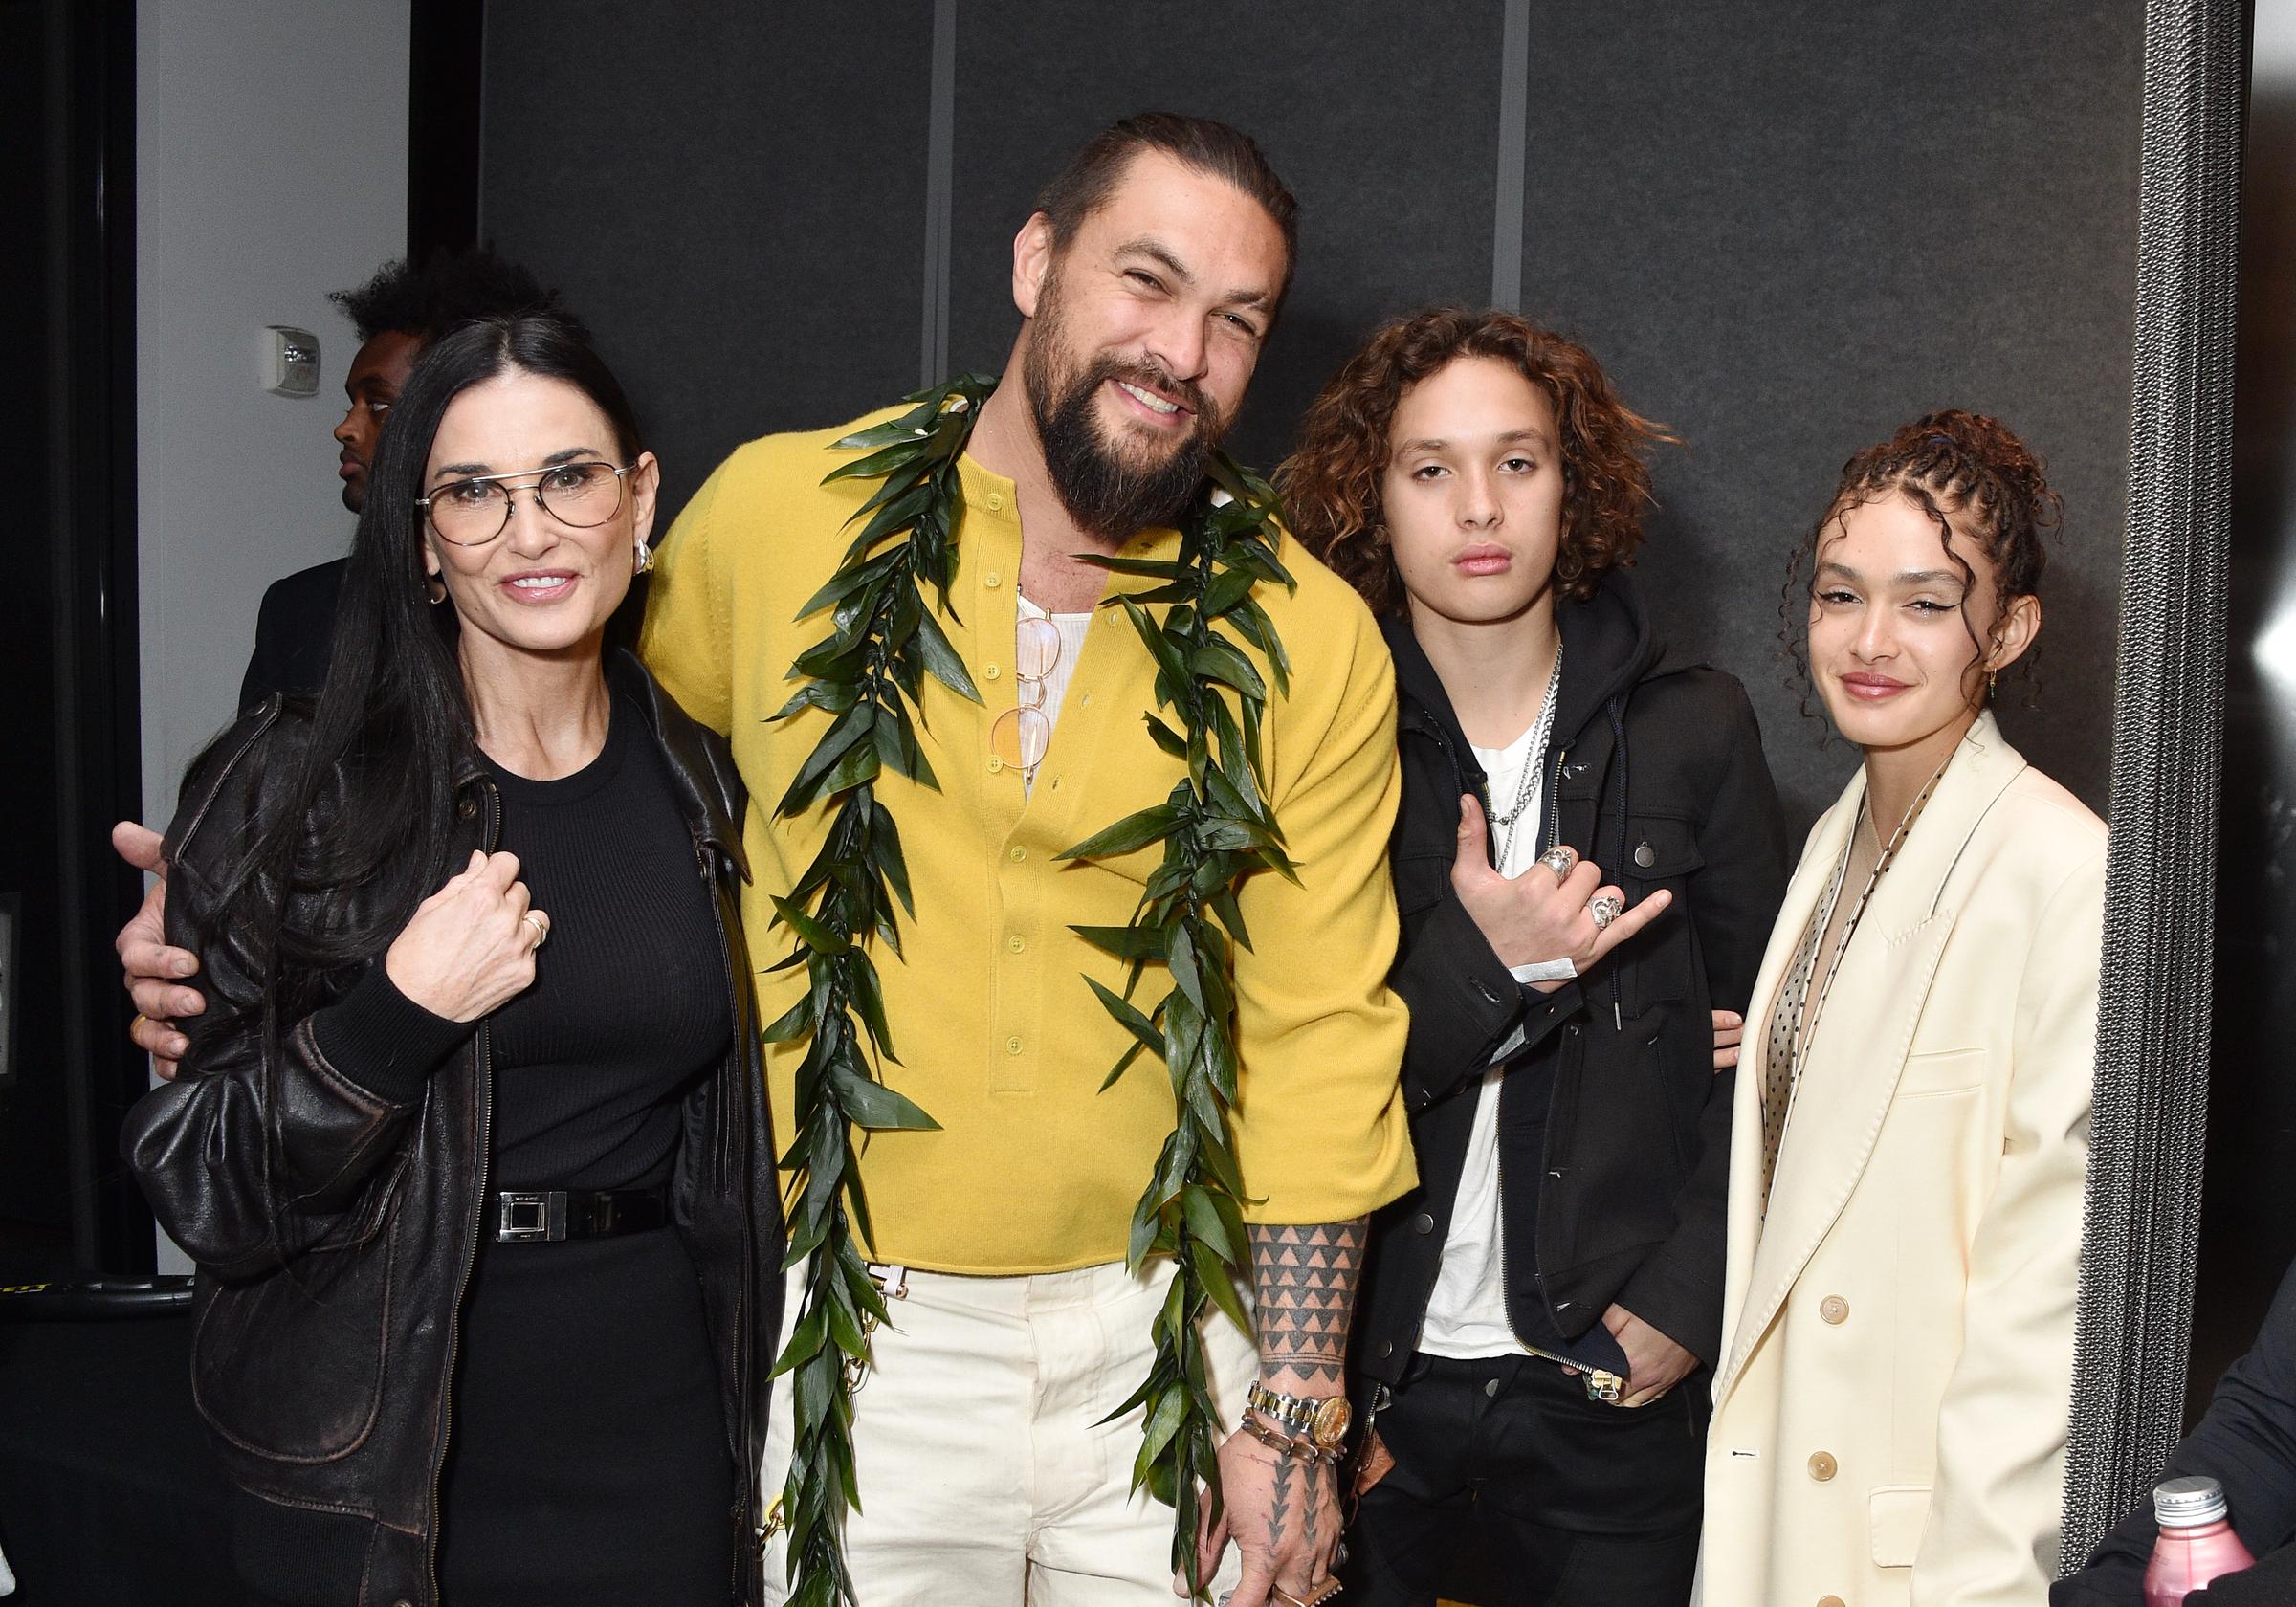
(1971,475)
(1331,482)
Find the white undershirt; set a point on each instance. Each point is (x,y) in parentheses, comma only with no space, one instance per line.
(1074,629)
(1467,1314)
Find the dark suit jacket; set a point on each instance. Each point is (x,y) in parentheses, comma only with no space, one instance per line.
(295,631)
(2247,1444)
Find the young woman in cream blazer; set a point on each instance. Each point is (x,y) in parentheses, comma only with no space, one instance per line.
(1911,1130)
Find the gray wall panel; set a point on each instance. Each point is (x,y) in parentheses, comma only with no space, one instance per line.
(1784,229)
(1389,142)
(1787,229)
(732,193)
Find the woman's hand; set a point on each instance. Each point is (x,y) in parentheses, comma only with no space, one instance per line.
(1539,917)
(1729,1031)
(469,947)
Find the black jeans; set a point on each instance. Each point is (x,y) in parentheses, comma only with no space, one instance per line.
(1510,1487)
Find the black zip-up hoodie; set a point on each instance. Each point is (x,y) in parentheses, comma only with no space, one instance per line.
(1613,1125)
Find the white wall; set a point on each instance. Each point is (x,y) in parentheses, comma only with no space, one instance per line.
(271,168)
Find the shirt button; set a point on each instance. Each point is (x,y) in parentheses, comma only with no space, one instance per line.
(1833,1308)
(1830,1601)
(995,764)
(992,579)
(1019,853)
(1016,942)
(1645,855)
(991,672)
(1490,1386)
(1822,1466)
(1012,1045)
(1424,1222)
(996,502)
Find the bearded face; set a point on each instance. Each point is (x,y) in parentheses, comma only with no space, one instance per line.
(1114,475)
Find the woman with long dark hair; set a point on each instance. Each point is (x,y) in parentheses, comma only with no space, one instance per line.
(469,1143)
(1911,1132)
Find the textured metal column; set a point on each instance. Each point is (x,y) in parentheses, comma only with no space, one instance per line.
(2152,1041)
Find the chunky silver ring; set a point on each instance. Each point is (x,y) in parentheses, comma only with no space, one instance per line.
(541,925)
(1560,859)
(1604,909)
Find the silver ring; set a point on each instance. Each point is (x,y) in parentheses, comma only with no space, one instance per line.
(1604,909)
(542,928)
(1560,859)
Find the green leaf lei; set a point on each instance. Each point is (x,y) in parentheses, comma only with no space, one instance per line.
(1217,830)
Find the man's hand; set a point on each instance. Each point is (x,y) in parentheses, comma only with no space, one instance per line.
(1539,917)
(1655,1364)
(1283,1513)
(153,969)
(1729,1031)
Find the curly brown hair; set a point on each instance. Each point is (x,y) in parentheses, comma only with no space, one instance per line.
(1968,472)
(1331,482)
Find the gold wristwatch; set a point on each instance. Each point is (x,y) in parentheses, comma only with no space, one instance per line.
(1322,1422)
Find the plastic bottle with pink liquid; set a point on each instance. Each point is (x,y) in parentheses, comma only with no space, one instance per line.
(2196,1543)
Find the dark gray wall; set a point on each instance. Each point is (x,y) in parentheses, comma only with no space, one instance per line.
(1784,227)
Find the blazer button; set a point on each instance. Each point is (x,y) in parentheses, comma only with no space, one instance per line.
(1645,855)
(1424,1222)
(1834,1309)
(468,808)
(1386,1349)
(1822,1466)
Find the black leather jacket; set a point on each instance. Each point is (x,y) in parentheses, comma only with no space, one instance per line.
(330,1281)
(1612,1186)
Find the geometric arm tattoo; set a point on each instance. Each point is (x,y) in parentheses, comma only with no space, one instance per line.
(1304,1286)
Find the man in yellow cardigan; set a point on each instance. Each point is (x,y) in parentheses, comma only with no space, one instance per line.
(1147,282)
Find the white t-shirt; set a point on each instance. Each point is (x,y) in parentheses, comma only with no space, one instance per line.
(1074,629)
(1467,1314)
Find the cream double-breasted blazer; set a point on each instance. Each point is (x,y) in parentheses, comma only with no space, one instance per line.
(1891,1406)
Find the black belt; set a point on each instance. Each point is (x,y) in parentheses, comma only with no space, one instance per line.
(548,1216)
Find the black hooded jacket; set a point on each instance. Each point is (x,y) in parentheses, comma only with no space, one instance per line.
(1613,1128)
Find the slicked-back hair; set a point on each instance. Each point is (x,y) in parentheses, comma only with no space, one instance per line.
(426,299)
(1092,175)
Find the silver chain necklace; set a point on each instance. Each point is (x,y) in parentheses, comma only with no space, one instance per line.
(1533,753)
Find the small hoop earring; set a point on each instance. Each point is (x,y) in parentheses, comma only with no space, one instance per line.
(645,560)
(435,590)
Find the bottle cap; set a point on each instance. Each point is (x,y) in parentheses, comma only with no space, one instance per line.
(2188,1503)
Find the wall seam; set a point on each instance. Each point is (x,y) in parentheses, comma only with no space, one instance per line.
(1515,127)
(933,363)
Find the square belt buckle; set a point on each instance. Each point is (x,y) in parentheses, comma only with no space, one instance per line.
(533,1218)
